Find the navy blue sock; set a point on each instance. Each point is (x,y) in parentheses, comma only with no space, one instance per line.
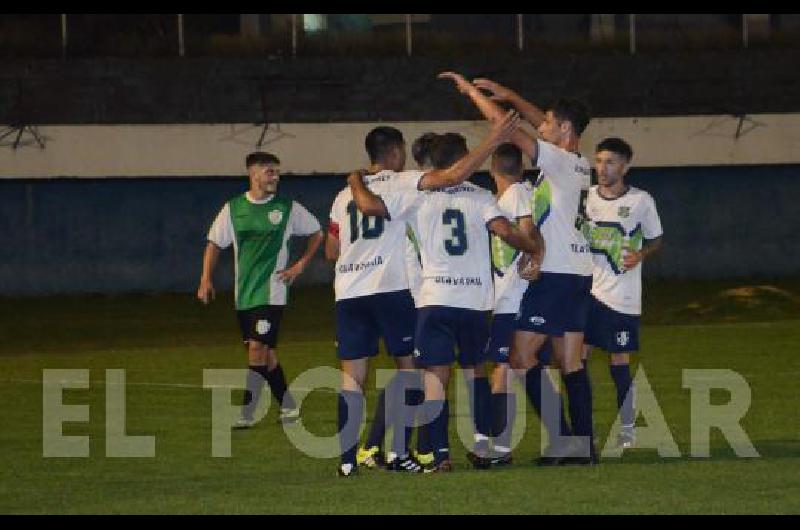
(537,393)
(351,412)
(277,383)
(504,410)
(255,382)
(437,429)
(378,429)
(621,374)
(580,403)
(423,433)
(483,417)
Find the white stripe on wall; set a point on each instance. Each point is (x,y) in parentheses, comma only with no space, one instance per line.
(217,150)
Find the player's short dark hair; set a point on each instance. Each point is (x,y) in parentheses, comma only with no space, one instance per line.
(507,159)
(421,148)
(381,140)
(616,145)
(574,111)
(447,149)
(261,158)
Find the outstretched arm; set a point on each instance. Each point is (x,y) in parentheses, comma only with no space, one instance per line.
(502,129)
(492,112)
(532,114)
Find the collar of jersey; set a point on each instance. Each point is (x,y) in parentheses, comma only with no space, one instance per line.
(627,189)
(262,201)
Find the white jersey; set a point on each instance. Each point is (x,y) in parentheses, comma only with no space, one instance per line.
(616,225)
(372,250)
(413,263)
(454,244)
(565,178)
(508,286)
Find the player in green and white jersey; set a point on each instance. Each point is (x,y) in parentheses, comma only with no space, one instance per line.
(259,223)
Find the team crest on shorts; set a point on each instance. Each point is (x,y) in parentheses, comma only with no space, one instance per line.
(623,337)
(275,216)
(263,327)
(624,211)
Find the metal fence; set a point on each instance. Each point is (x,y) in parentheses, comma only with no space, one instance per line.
(288,35)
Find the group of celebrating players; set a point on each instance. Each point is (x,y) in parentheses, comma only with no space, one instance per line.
(423,257)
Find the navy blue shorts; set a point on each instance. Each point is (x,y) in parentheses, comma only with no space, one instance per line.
(611,330)
(261,324)
(555,304)
(501,335)
(440,329)
(362,321)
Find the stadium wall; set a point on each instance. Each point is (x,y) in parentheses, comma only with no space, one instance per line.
(104,235)
(194,150)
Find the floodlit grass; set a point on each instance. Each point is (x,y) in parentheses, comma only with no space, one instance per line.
(164,342)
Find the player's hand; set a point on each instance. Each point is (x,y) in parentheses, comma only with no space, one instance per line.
(631,259)
(205,293)
(462,84)
(529,267)
(356,175)
(289,274)
(497,92)
(502,129)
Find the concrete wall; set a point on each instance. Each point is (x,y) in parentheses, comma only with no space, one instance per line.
(120,235)
(305,148)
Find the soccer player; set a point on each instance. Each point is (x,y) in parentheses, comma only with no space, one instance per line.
(624,230)
(557,304)
(457,289)
(514,200)
(259,223)
(371,282)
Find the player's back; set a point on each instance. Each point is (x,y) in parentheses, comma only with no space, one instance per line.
(372,255)
(454,247)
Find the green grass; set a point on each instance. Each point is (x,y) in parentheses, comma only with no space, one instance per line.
(163,341)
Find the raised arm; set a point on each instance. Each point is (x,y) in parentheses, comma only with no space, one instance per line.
(492,112)
(530,112)
(502,129)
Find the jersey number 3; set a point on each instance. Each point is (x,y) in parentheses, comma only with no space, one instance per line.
(456,244)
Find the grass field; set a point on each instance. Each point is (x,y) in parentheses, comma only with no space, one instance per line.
(165,341)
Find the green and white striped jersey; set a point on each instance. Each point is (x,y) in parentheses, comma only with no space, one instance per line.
(259,232)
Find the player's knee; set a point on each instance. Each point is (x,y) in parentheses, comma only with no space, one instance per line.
(257,352)
(271,357)
(620,359)
(516,362)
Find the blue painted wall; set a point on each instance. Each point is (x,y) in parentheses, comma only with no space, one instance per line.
(121,235)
